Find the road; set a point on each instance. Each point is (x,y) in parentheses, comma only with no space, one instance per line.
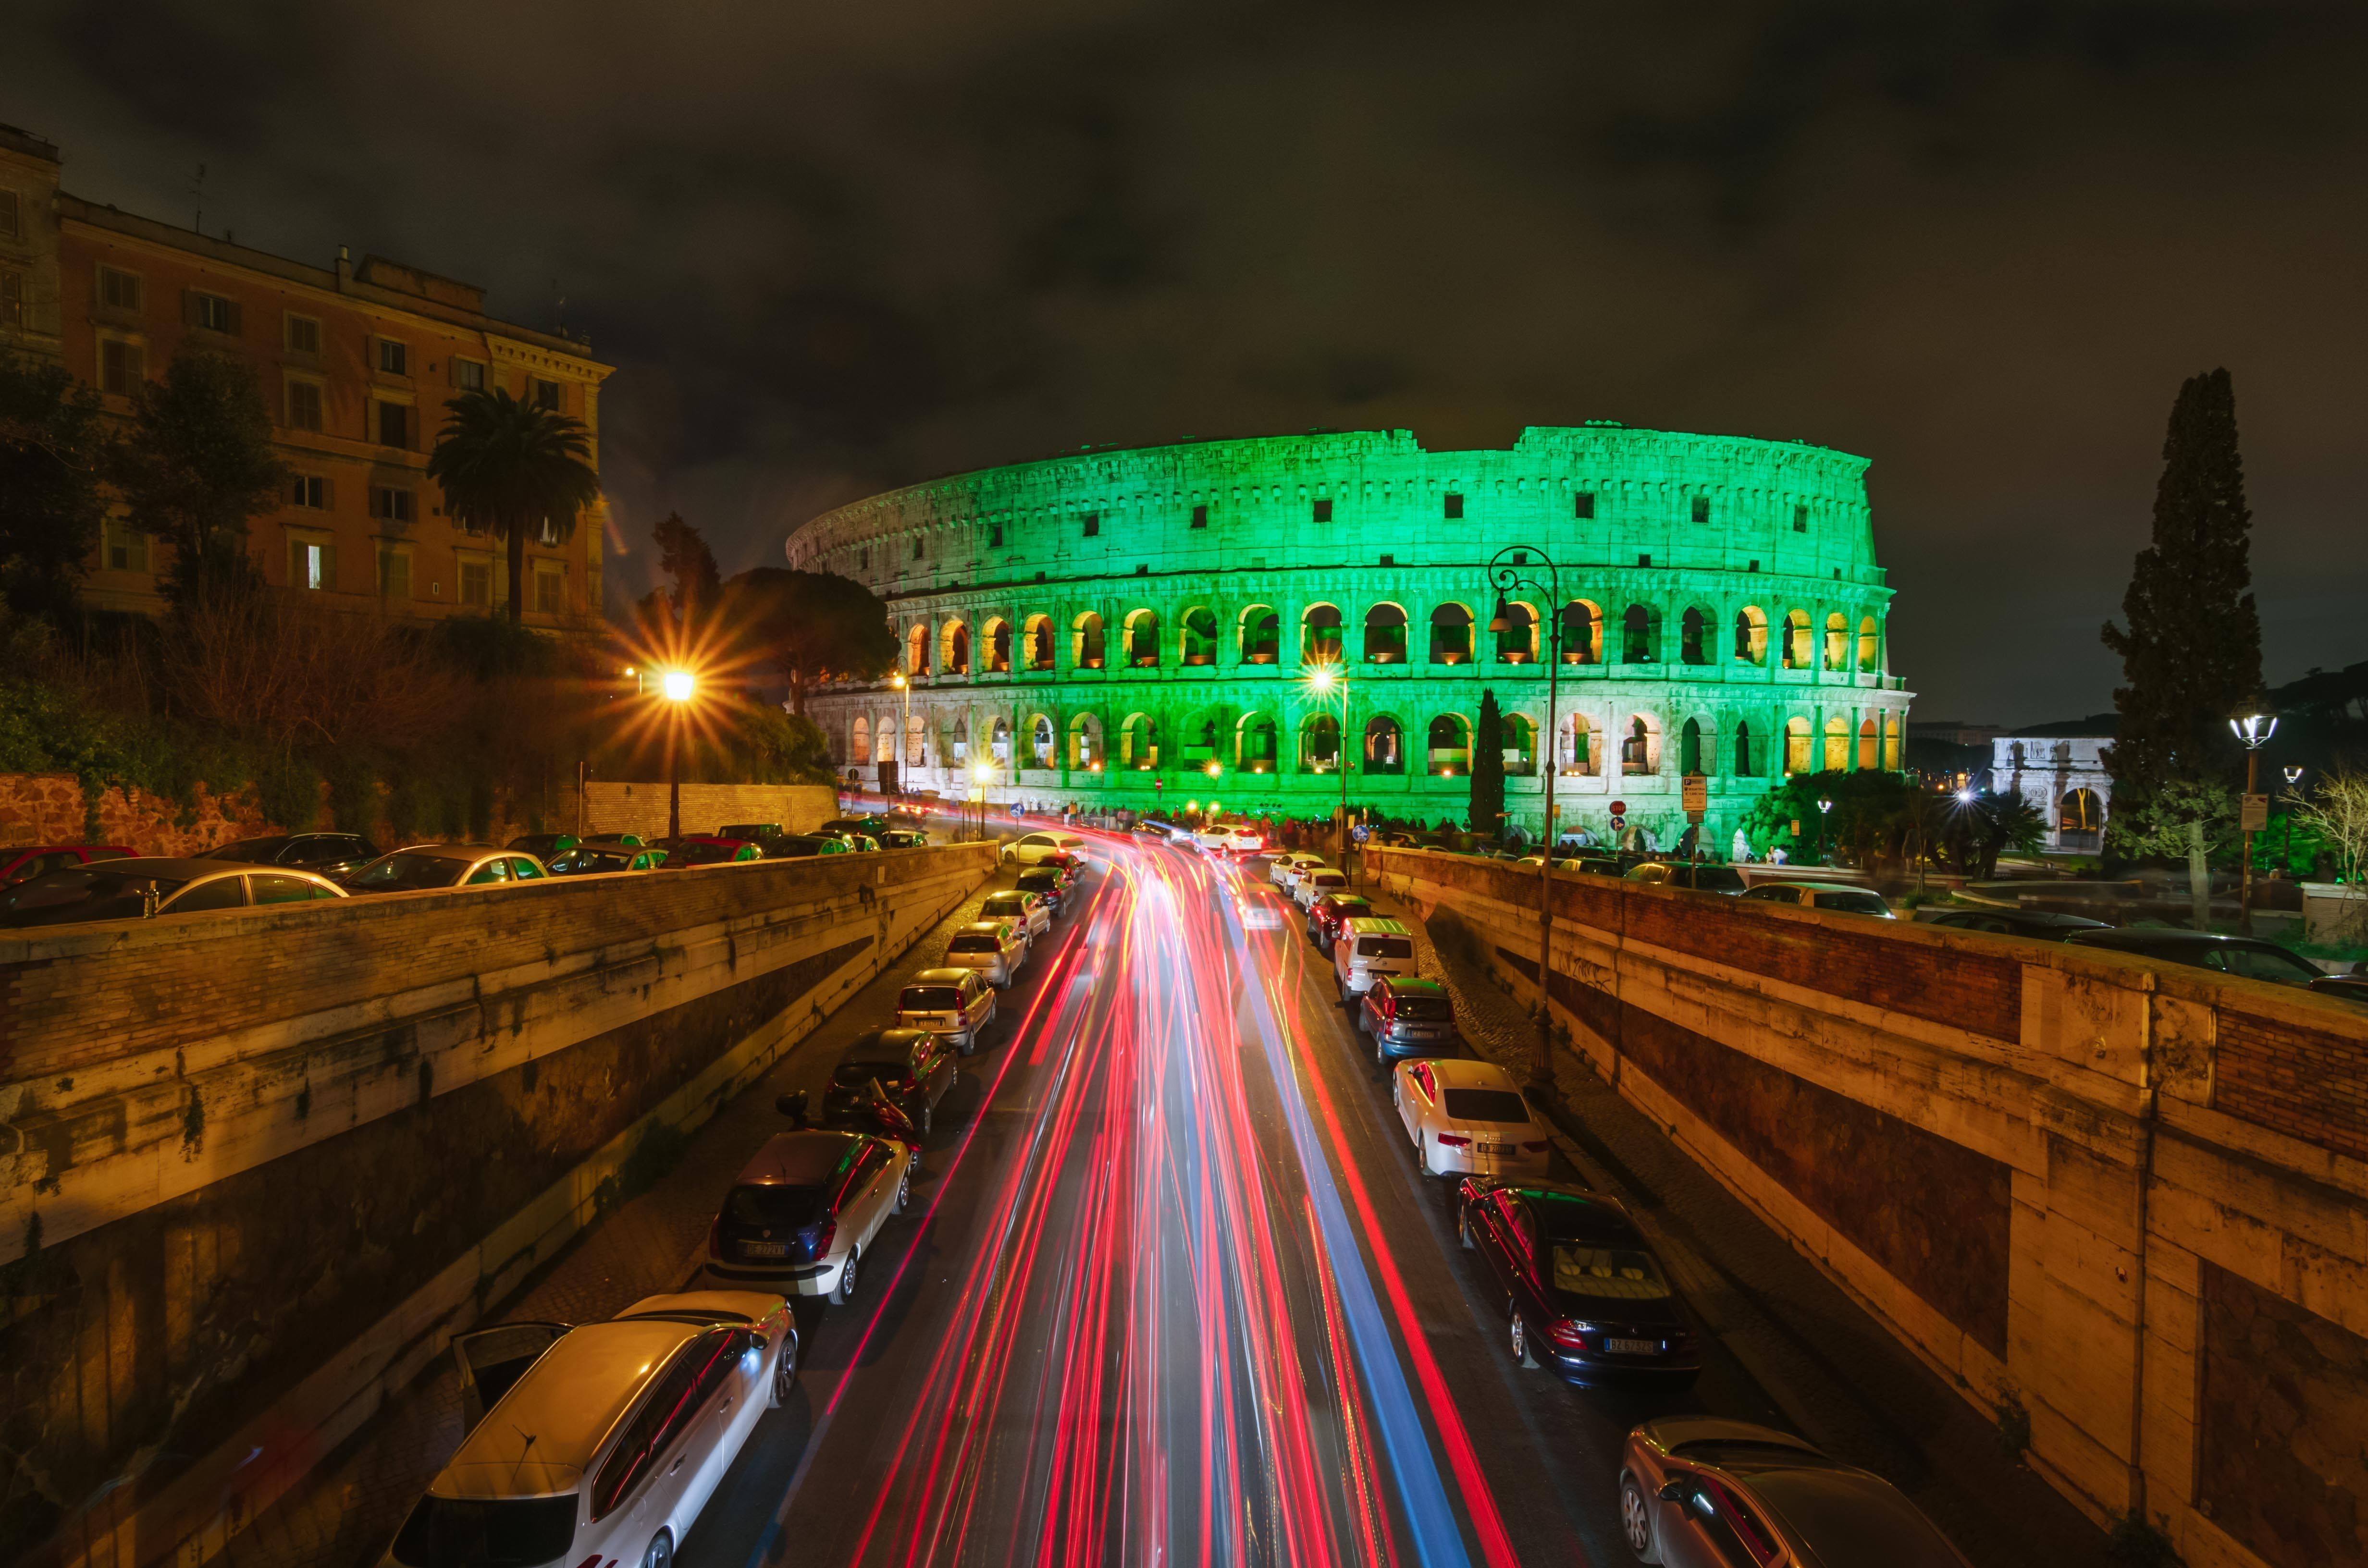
(1171,1291)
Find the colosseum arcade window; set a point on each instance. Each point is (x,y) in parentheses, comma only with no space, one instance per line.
(1582,506)
(1702,508)
(1800,519)
(1323,511)
(1200,516)
(1093,524)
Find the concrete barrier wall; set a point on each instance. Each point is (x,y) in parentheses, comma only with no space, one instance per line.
(2129,1203)
(256,1166)
(642,808)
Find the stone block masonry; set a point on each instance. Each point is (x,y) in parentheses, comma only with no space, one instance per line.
(258,1166)
(642,808)
(2129,1202)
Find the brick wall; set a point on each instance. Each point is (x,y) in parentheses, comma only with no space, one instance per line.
(50,808)
(642,808)
(2310,1083)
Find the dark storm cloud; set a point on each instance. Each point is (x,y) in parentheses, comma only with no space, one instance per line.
(841,248)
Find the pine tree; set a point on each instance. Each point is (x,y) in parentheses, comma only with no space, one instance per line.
(1488,768)
(2192,650)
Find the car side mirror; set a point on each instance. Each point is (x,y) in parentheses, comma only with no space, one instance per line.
(1672,1491)
(792,1104)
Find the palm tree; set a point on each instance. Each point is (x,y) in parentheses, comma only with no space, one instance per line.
(512,469)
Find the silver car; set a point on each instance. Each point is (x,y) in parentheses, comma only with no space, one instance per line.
(1834,898)
(138,887)
(993,948)
(446,866)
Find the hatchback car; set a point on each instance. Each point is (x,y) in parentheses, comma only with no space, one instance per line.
(1243,839)
(1034,914)
(2038,924)
(2246,956)
(1407,1017)
(330,855)
(24,865)
(137,888)
(801,847)
(1367,948)
(1029,849)
(1468,1118)
(1326,914)
(911,1068)
(600,1442)
(993,948)
(1679,874)
(755,833)
(1315,882)
(1704,1492)
(1583,1293)
(956,1004)
(904,838)
(1831,897)
(802,1214)
(863,826)
(627,838)
(1287,869)
(1049,883)
(541,846)
(445,866)
(587,859)
(706,849)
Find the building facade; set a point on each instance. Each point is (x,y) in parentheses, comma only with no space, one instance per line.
(355,361)
(1140,628)
(2064,778)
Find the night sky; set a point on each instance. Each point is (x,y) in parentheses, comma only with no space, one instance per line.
(837,248)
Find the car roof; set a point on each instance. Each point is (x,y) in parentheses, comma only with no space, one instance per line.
(170,866)
(1377,926)
(1674,1432)
(553,1419)
(454,851)
(883,1045)
(716,1306)
(990,925)
(2140,938)
(1821,887)
(1407,985)
(1462,1072)
(803,1158)
(940,977)
(1335,870)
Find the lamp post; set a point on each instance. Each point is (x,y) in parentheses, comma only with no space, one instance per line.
(905,734)
(980,773)
(2285,856)
(1321,679)
(2253,732)
(1825,813)
(1509,571)
(678,686)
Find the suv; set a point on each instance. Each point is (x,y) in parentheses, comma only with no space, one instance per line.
(804,1211)
(913,1068)
(1325,915)
(1367,948)
(955,1003)
(1407,1017)
(1701,879)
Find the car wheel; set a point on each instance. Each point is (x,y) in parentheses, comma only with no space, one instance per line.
(1422,1156)
(661,1552)
(925,1120)
(785,1367)
(1636,1518)
(844,1291)
(905,1189)
(1520,1334)
(1357,1014)
(1381,1054)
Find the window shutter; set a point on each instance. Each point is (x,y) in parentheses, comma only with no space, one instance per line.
(329,567)
(295,563)
(189,307)
(236,325)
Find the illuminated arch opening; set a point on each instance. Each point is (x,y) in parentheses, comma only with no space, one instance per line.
(1198,641)
(1086,639)
(1320,635)
(1837,642)
(1447,747)
(1752,636)
(1319,743)
(1693,636)
(1450,635)
(1518,643)
(1836,756)
(1796,639)
(1262,635)
(1138,742)
(859,740)
(953,649)
(1640,635)
(1085,740)
(1796,746)
(1041,743)
(1640,747)
(1255,746)
(1039,641)
(1582,632)
(1142,638)
(1521,745)
(1386,635)
(1870,646)
(994,639)
(1384,746)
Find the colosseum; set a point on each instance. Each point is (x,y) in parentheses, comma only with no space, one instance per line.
(1146,627)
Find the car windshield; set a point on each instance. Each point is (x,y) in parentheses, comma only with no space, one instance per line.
(1327,879)
(929,999)
(1854,903)
(254,852)
(1718,878)
(705,854)
(1426,1009)
(855,1075)
(776,1208)
(972,942)
(1853,1521)
(577,861)
(404,869)
(1035,881)
(1004,903)
(2268,963)
(1384,948)
(471,1532)
(1501,1105)
(1346,907)
(1614,1272)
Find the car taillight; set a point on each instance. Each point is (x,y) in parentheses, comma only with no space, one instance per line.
(825,1232)
(1566,1332)
(1450,1139)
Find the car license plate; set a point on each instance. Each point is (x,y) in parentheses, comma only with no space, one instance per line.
(765,1249)
(1496,1148)
(1632,1347)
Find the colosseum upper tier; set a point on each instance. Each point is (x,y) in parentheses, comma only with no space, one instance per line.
(1195,622)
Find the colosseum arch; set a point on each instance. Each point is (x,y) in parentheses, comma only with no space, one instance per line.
(1640,634)
(1837,641)
(1200,737)
(1386,635)
(1578,746)
(1640,745)
(1262,635)
(999,741)
(1085,740)
(1517,643)
(1521,745)
(1447,747)
(1582,632)
(859,740)
(1044,745)
(1140,636)
(994,639)
(1087,639)
(1197,636)
(1870,646)
(953,648)
(1385,745)
(916,650)
(1698,746)
(1694,636)
(1451,635)
(1321,640)
(1746,763)
(958,741)
(1752,636)
(1037,638)
(1796,746)
(1138,742)
(1796,639)
(917,743)
(1836,757)
(1257,745)
(1870,745)
(1319,743)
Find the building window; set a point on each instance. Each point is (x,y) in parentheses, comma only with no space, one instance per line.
(1800,519)
(549,592)
(309,491)
(476,584)
(1582,506)
(1454,503)
(304,405)
(994,536)
(469,375)
(1389,560)
(546,394)
(1093,524)
(1644,560)
(11,218)
(118,291)
(127,547)
(1200,516)
(1323,511)
(394,424)
(863,559)
(311,565)
(304,335)
(12,299)
(121,366)
(1702,508)
(394,572)
(214,313)
(393,358)
(389,503)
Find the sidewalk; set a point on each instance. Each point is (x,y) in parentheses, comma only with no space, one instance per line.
(1841,1377)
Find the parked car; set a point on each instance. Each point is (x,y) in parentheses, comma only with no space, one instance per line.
(1367,948)
(1316,882)
(1048,882)
(802,1214)
(2352,988)
(956,1004)
(332,855)
(633,839)
(1680,874)
(601,1442)
(993,948)
(1325,914)
(541,846)
(1596,865)
(1070,863)
(756,833)
(1583,1293)
(1831,897)
(1468,1118)
(1289,868)
(708,849)
(2248,956)
(860,842)
(870,826)
(445,866)
(136,888)
(1030,847)
(1407,1017)
(2038,924)
(802,846)
(1400,841)
(1565,864)
(913,1068)
(1209,838)
(904,838)
(1034,914)
(586,859)
(1704,1490)
(23,865)
(1243,839)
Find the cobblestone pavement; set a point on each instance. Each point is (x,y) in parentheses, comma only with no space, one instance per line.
(350,1507)
(1843,1380)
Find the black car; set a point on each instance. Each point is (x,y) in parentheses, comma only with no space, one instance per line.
(2038,924)
(2352,988)
(1047,880)
(331,854)
(1583,1291)
(848,827)
(1325,916)
(754,832)
(913,1068)
(1680,874)
(2246,956)
(543,845)
(799,846)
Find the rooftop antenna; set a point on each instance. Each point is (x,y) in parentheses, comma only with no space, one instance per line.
(559,306)
(198,195)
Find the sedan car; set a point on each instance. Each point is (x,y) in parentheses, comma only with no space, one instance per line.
(1468,1118)
(954,1003)
(1243,839)
(2248,956)
(1583,1292)
(541,846)
(1327,914)
(1679,874)
(1704,1492)
(1034,914)
(2038,924)
(993,948)
(805,1210)
(904,838)
(445,866)
(1316,882)
(23,865)
(1288,869)
(1029,848)
(1050,883)
(1834,898)
(330,855)
(137,888)
(706,849)
(587,859)
(910,1068)
(1407,1017)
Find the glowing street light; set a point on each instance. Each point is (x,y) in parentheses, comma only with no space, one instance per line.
(1825,812)
(2253,732)
(1321,680)
(680,687)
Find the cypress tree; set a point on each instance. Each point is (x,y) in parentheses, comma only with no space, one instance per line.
(1488,768)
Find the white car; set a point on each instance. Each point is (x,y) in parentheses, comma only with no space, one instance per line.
(1315,882)
(1468,1118)
(601,1442)
(1029,849)
(1211,840)
(1832,897)
(1032,911)
(1289,870)
(805,1211)
(1243,839)
(1367,948)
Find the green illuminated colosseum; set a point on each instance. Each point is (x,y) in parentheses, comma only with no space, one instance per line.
(1139,628)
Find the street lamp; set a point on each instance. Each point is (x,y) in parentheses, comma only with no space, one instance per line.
(2253,732)
(903,736)
(980,773)
(678,686)
(1825,810)
(1509,571)
(1321,680)
(2285,859)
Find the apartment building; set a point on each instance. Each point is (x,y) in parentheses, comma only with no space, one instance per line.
(356,361)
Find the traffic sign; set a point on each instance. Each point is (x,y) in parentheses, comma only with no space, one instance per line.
(1697,795)
(2257,814)
(1619,808)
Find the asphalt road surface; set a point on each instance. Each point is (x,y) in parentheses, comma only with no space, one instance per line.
(1171,1291)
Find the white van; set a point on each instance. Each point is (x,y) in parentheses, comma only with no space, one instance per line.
(1368,947)
(600,1442)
